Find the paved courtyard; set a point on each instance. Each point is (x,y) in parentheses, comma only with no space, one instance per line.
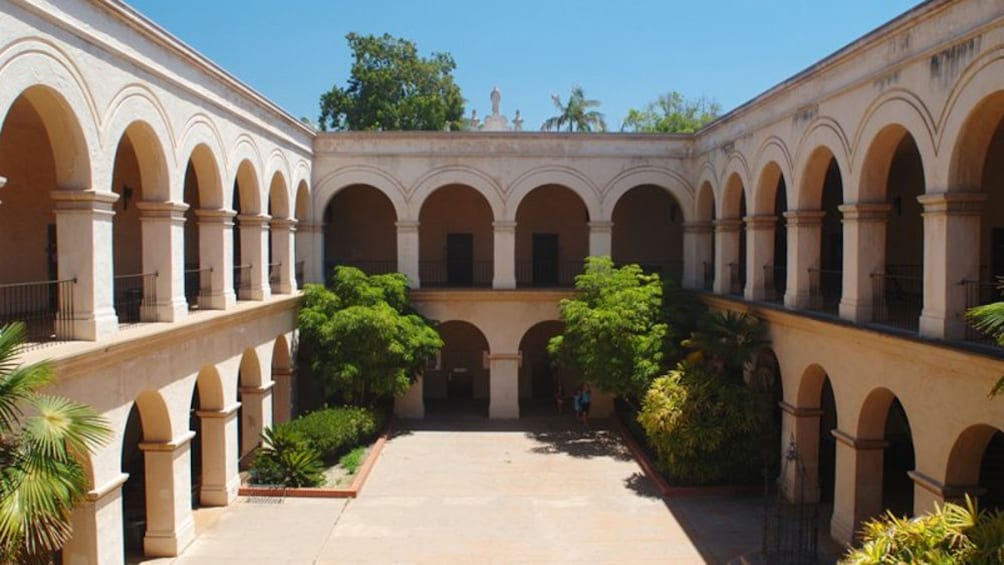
(540,490)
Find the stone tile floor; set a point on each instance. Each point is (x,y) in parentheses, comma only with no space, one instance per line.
(540,490)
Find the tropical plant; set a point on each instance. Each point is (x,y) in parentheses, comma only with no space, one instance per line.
(286,459)
(41,439)
(575,114)
(951,534)
(989,319)
(729,343)
(672,113)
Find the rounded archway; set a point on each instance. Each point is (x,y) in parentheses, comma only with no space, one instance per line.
(456,238)
(730,236)
(201,189)
(539,376)
(706,251)
(280,238)
(887,480)
(819,447)
(820,277)
(771,252)
(552,237)
(976,466)
(148,422)
(247,241)
(360,231)
(249,416)
(648,231)
(302,249)
(457,380)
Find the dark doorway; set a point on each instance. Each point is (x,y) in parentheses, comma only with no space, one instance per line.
(997,253)
(898,460)
(460,259)
(460,385)
(545,259)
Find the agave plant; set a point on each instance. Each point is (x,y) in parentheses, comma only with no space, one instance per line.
(286,459)
(41,439)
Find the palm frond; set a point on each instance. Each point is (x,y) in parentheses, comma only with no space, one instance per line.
(989,319)
(62,426)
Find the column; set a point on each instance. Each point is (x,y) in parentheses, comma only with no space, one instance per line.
(283,252)
(169,525)
(97,526)
(951,238)
(407,251)
(256,402)
(864,256)
(759,255)
(254,252)
(857,493)
(504,385)
(310,250)
(216,257)
(601,238)
(698,249)
(220,478)
(727,246)
(805,233)
(800,428)
(163,229)
(927,491)
(282,394)
(411,404)
(84,240)
(504,254)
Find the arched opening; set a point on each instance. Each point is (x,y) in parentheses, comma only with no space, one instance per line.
(249,417)
(147,423)
(731,236)
(196,446)
(360,231)
(41,148)
(819,447)
(279,236)
(706,248)
(201,192)
(208,448)
(976,466)
(648,231)
(282,377)
(765,378)
(246,235)
(552,237)
(883,417)
(456,239)
(773,200)
(823,190)
(457,381)
(302,250)
(539,376)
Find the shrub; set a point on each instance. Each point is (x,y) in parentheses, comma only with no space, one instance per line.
(951,534)
(333,431)
(287,459)
(704,429)
(352,460)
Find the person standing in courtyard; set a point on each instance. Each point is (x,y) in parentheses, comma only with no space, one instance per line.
(585,398)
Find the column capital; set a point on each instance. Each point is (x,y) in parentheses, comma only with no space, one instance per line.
(406,225)
(307,227)
(257,389)
(953,203)
(504,225)
(224,413)
(288,224)
(215,216)
(800,411)
(865,211)
(251,220)
(109,487)
(804,217)
(760,222)
(600,226)
(859,444)
(728,224)
(948,492)
(170,445)
(162,211)
(518,356)
(698,227)
(83,200)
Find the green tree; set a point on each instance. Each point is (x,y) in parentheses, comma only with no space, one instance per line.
(363,340)
(41,477)
(672,113)
(392,88)
(575,114)
(613,328)
(989,319)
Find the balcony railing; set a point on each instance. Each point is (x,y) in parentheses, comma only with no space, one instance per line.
(775,280)
(737,278)
(456,273)
(197,283)
(543,274)
(299,274)
(45,308)
(898,296)
(274,276)
(242,280)
(132,293)
(979,293)
(709,275)
(824,289)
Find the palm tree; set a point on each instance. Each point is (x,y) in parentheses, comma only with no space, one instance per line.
(989,319)
(576,114)
(729,342)
(41,477)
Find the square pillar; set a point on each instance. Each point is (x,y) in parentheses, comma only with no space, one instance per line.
(800,429)
(951,255)
(857,494)
(310,251)
(169,524)
(282,395)
(759,255)
(97,526)
(411,404)
(805,233)
(256,402)
(216,255)
(163,235)
(727,246)
(601,239)
(864,258)
(220,476)
(283,251)
(254,252)
(407,251)
(504,385)
(504,235)
(84,240)
(698,249)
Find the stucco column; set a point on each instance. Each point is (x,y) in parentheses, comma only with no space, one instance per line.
(727,246)
(216,254)
(169,525)
(411,404)
(283,232)
(163,229)
(805,232)
(601,238)
(759,253)
(864,256)
(97,526)
(801,426)
(951,242)
(220,478)
(282,394)
(504,386)
(698,248)
(84,240)
(857,494)
(504,234)
(256,403)
(310,250)
(254,252)
(407,251)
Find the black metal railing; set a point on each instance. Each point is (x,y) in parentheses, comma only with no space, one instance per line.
(299,266)
(456,273)
(665,268)
(275,276)
(898,296)
(45,308)
(198,282)
(543,274)
(824,289)
(737,278)
(132,292)
(775,280)
(242,280)
(709,275)
(979,293)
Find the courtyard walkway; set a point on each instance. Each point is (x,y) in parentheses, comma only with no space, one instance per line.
(540,490)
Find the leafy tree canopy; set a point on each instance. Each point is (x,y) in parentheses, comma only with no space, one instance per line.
(575,114)
(364,340)
(613,329)
(392,88)
(672,113)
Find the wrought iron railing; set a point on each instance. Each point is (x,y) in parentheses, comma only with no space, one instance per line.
(775,280)
(824,289)
(198,282)
(45,308)
(132,292)
(299,266)
(242,280)
(542,274)
(274,276)
(737,278)
(979,293)
(709,275)
(456,273)
(898,297)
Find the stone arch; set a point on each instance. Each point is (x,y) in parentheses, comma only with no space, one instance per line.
(456,241)
(810,386)
(872,415)
(666,179)
(732,196)
(210,387)
(972,141)
(537,374)
(460,375)
(456,175)
(963,466)
(301,210)
(327,187)
(301,175)
(823,140)
(278,196)
(282,377)
(135,111)
(705,211)
(567,177)
(207,171)
(155,416)
(250,369)
(765,192)
(278,165)
(247,188)
(772,150)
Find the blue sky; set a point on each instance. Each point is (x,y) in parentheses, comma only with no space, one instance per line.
(622,53)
